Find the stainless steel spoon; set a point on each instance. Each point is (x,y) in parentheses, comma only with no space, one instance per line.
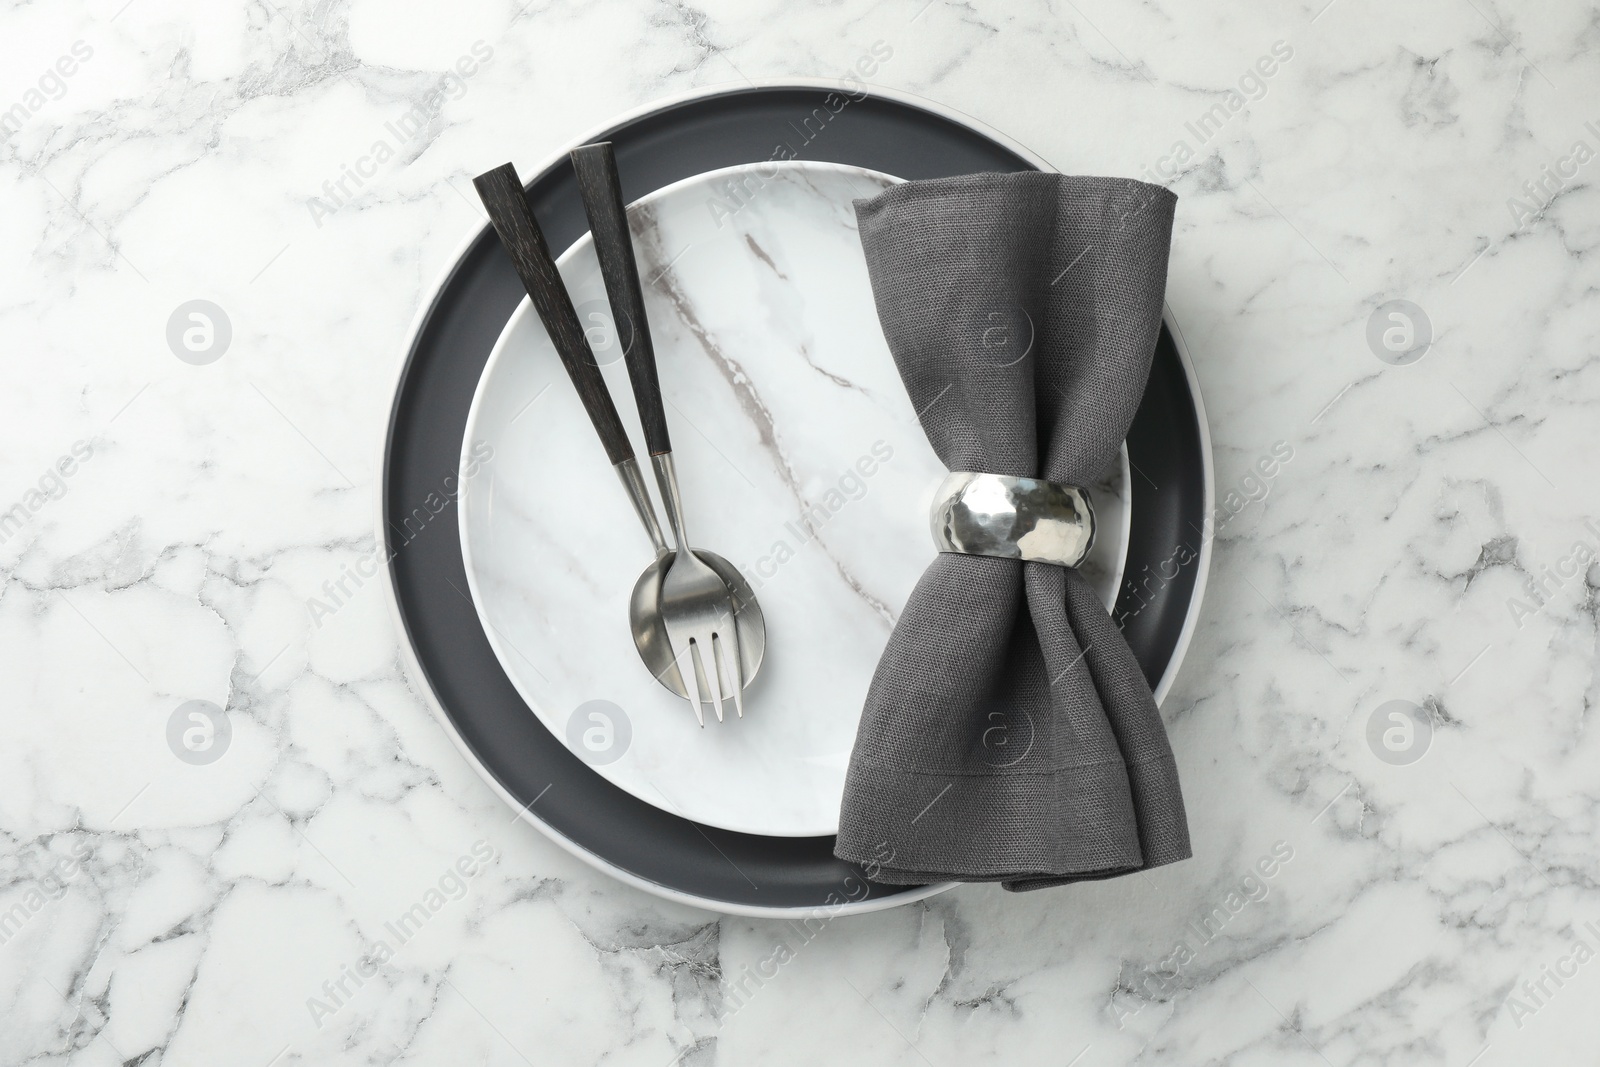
(644,608)
(513,220)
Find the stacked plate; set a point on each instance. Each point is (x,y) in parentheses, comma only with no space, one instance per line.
(513,551)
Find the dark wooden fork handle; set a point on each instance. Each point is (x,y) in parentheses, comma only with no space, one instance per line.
(601,188)
(513,220)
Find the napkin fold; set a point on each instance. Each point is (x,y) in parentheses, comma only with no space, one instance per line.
(1009,734)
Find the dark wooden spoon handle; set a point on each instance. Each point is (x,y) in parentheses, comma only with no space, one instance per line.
(601,188)
(512,218)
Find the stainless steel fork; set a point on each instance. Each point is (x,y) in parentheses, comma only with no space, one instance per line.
(689,614)
(698,612)
(697,604)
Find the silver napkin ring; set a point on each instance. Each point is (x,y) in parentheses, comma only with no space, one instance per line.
(1014,518)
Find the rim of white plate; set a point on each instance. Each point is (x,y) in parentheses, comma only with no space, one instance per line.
(408,653)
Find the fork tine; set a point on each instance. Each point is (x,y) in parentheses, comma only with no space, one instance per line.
(691,682)
(708,656)
(728,660)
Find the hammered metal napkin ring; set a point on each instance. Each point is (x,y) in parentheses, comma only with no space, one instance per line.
(1013,518)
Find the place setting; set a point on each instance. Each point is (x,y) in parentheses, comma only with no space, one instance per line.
(828,528)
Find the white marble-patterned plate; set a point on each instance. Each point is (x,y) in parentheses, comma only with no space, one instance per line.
(800,458)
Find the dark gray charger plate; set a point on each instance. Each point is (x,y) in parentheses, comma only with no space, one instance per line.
(449,349)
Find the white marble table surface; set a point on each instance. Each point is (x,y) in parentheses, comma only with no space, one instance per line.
(1429,542)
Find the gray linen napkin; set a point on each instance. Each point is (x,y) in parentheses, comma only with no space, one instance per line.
(1009,734)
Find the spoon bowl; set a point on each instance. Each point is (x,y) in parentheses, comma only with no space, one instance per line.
(650,631)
